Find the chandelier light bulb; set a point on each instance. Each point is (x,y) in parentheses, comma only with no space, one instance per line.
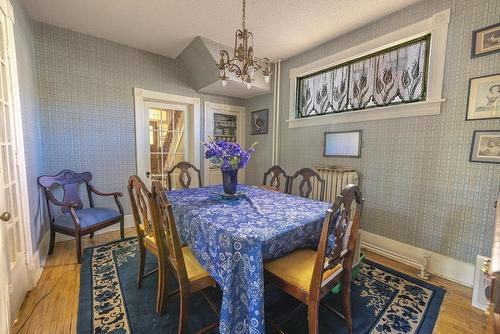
(249,85)
(266,78)
(223,82)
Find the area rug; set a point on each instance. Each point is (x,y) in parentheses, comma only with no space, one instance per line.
(383,300)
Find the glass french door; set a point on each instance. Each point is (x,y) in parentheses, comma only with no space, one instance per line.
(167,140)
(13,270)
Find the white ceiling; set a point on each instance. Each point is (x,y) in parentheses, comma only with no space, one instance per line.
(281,28)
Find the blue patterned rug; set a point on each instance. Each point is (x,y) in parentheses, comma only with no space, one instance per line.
(383,300)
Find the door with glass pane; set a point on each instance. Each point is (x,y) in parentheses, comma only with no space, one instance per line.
(168,140)
(223,122)
(13,271)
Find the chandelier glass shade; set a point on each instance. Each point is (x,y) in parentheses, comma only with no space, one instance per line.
(243,63)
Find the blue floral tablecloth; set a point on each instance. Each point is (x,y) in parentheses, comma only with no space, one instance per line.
(232,239)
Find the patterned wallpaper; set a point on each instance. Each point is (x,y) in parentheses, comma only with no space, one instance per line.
(30,114)
(418,185)
(262,157)
(86,97)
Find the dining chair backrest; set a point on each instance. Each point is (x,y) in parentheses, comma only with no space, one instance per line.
(278,180)
(338,238)
(184,178)
(141,208)
(305,188)
(69,181)
(166,234)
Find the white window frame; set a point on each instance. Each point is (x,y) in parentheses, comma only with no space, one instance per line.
(436,26)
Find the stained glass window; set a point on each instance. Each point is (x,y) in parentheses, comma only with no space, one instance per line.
(391,76)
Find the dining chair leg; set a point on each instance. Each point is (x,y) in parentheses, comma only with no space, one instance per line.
(52,239)
(312,317)
(79,248)
(142,260)
(346,299)
(184,311)
(161,294)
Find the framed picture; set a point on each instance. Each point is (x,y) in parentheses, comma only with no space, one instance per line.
(259,122)
(485,146)
(484,98)
(343,144)
(486,40)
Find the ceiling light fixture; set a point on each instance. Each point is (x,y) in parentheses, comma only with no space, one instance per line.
(244,63)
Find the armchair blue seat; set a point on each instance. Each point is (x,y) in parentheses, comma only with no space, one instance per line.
(75,220)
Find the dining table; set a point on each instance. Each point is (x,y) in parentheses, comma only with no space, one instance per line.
(232,237)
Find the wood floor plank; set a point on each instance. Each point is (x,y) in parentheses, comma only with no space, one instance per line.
(59,287)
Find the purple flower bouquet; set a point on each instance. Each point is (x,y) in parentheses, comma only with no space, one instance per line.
(230,157)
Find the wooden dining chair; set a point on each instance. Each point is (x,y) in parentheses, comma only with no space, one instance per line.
(184,177)
(308,179)
(309,275)
(190,275)
(275,182)
(75,220)
(140,198)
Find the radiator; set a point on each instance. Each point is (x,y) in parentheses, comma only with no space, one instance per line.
(336,179)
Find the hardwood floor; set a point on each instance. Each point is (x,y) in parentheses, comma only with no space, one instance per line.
(52,306)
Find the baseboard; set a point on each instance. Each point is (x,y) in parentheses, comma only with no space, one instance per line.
(129,222)
(439,265)
(39,258)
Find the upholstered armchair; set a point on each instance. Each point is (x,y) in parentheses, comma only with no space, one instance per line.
(75,220)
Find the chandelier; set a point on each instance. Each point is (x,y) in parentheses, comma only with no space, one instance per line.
(243,63)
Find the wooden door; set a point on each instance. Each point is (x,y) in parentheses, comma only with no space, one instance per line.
(168,132)
(13,268)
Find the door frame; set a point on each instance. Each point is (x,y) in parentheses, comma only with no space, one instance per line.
(193,104)
(33,263)
(240,111)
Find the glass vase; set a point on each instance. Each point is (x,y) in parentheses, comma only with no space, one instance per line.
(230,181)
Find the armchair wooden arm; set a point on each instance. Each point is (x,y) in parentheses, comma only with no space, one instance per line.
(115,194)
(100,193)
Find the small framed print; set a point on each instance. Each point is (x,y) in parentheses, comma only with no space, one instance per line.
(259,122)
(485,146)
(484,98)
(345,144)
(486,40)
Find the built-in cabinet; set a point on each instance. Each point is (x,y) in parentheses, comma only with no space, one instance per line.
(223,122)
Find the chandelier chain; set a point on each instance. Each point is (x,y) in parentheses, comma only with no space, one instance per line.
(243,16)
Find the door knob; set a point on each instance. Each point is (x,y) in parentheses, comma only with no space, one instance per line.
(5,216)
(147,174)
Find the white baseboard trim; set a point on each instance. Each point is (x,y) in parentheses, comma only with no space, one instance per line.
(129,222)
(39,259)
(439,265)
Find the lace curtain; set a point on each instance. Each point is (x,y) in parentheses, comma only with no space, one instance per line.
(387,77)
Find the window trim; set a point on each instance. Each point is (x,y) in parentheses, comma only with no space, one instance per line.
(436,26)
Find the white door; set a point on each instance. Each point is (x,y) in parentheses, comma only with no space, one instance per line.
(13,270)
(168,130)
(223,122)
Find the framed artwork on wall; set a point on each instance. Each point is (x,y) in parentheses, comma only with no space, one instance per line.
(259,122)
(345,144)
(486,40)
(485,146)
(484,98)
